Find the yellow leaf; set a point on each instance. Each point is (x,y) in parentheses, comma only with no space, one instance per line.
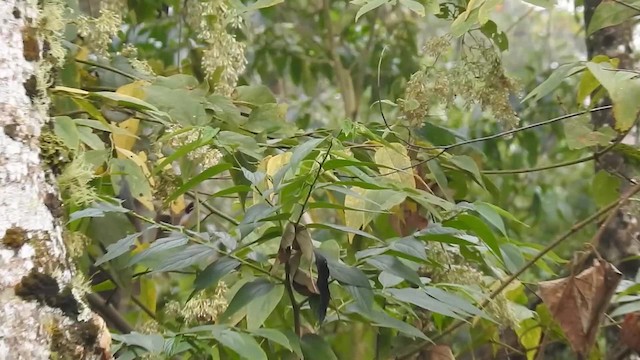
(396,158)
(277,162)
(133,89)
(529,333)
(148,295)
(139,159)
(68,90)
(126,138)
(83,53)
(178,205)
(352,218)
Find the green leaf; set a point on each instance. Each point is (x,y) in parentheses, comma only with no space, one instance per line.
(123,100)
(588,83)
(190,255)
(347,274)
(153,343)
(259,311)
(580,134)
(255,95)
(362,296)
(117,249)
(513,258)
(611,13)
(626,309)
(224,109)
(502,212)
(194,181)
(368,6)
(381,319)
(273,335)
(547,4)
(214,272)
(605,188)
(302,151)
(183,106)
(440,177)
(499,38)
(65,128)
(414,6)
(469,165)
(261,4)
(556,78)
(624,90)
(470,222)
(409,246)
(316,348)
(174,240)
(489,214)
(420,298)
(243,344)
(467,19)
(345,229)
(96,210)
(249,292)
(90,139)
(396,267)
(461,305)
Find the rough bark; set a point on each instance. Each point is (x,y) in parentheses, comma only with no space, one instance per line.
(620,240)
(41,313)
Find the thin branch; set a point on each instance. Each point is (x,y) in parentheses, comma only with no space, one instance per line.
(214,211)
(574,229)
(593,156)
(540,168)
(523,128)
(445,148)
(108,312)
(109,68)
(294,304)
(595,241)
(315,180)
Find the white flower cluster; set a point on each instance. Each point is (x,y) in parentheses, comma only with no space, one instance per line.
(224,54)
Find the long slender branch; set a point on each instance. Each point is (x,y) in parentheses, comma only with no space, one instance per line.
(595,241)
(505,283)
(107,67)
(541,168)
(593,156)
(215,211)
(315,180)
(294,304)
(523,128)
(107,311)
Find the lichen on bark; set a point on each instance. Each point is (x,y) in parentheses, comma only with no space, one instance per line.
(34,324)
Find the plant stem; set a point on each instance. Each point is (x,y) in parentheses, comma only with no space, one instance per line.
(505,283)
(292,298)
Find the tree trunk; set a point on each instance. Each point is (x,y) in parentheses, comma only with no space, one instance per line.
(620,238)
(42,314)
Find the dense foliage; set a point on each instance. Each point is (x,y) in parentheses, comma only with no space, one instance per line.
(334,180)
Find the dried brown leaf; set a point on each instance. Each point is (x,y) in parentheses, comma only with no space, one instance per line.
(578,302)
(440,352)
(630,332)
